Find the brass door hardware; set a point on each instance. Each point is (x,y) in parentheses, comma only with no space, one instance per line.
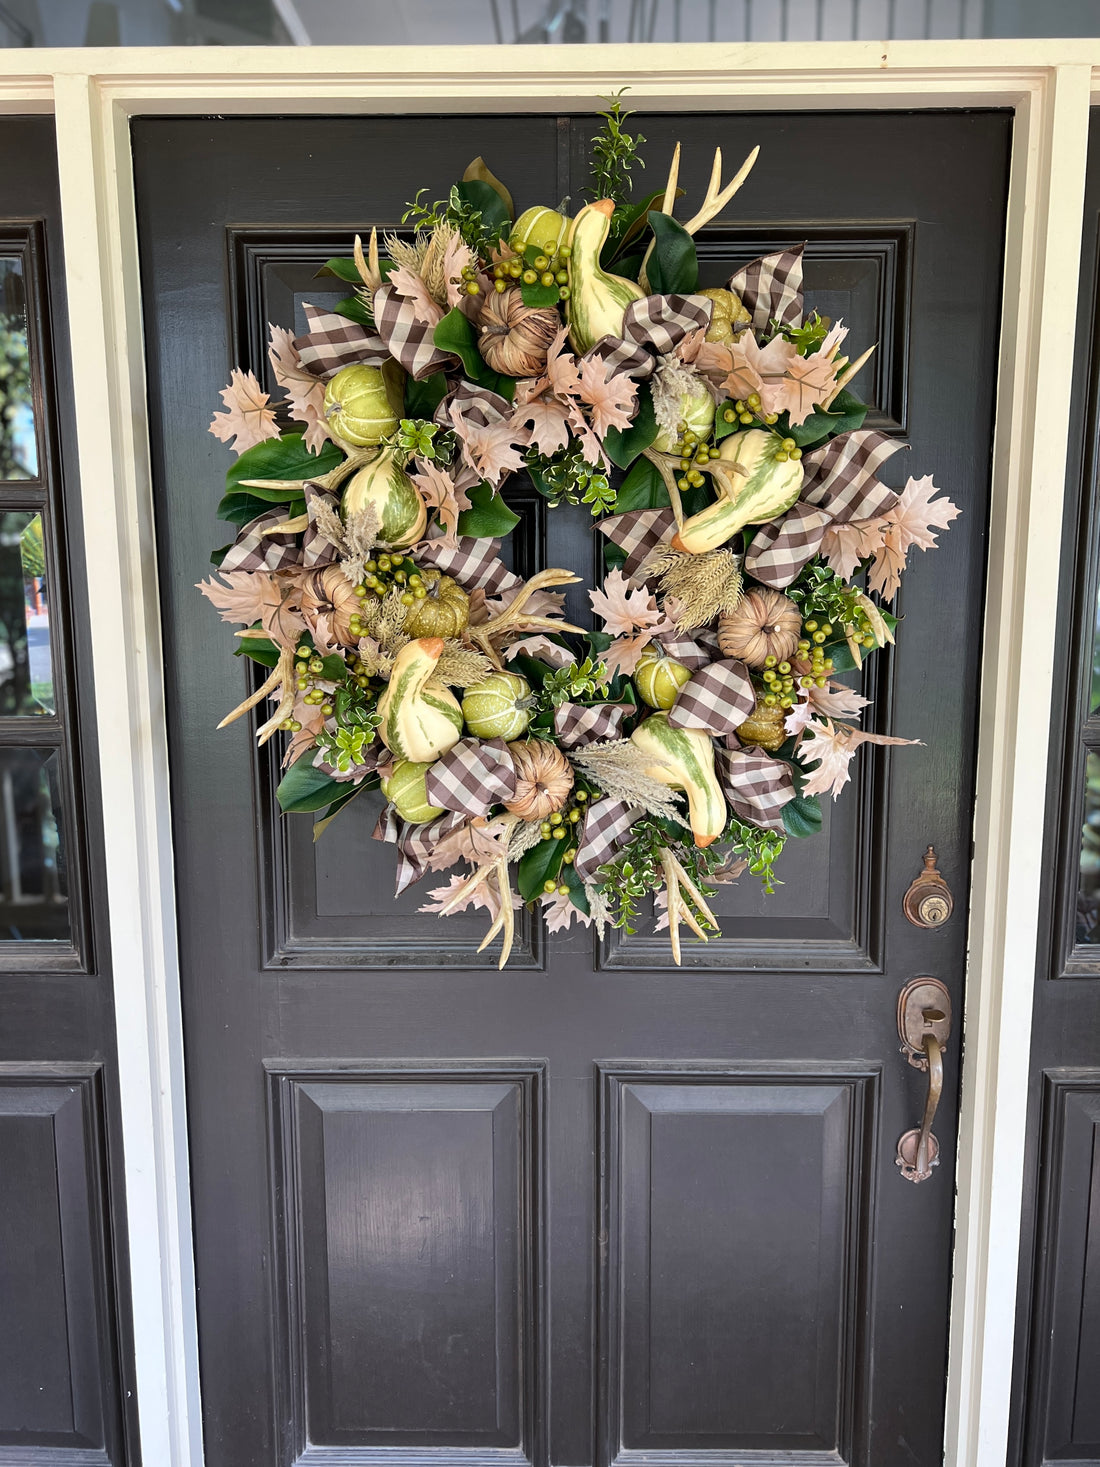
(928,902)
(924,1024)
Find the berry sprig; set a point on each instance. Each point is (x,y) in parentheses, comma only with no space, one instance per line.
(746,412)
(562,825)
(535,267)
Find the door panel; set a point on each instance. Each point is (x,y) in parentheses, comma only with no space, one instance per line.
(66,1389)
(1057,1416)
(593,1208)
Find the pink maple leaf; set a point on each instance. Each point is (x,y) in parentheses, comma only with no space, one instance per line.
(492,449)
(844,546)
(800,717)
(273,599)
(549,423)
(838,701)
(623,609)
(249,419)
(305,392)
(440,493)
(832,747)
(910,522)
(560,912)
(612,404)
(408,284)
(456,256)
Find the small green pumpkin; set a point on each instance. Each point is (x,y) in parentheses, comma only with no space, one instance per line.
(407,792)
(498,707)
(357,406)
(659,678)
(443,611)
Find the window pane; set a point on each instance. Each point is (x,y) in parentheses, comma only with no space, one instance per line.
(1088,889)
(33,880)
(26,672)
(18,449)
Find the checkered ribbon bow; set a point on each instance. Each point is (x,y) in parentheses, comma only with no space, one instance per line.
(254,551)
(475,564)
(771,288)
(607,823)
(755,785)
(651,329)
(718,699)
(685,649)
(407,336)
(639,532)
(472,777)
(333,342)
(576,725)
(414,842)
(839,486)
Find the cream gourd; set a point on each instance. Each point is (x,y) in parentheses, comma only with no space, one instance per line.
(597,299)
(418,723)
(754,485)
(683,759)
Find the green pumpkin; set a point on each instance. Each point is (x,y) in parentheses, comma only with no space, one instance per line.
(498,707)
(385,484)
(544,228)
(357,406)
(659,679)
(696,416)
(407,792)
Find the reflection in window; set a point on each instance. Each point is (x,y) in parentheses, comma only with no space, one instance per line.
(18,450)
(26,670)
(1088,889)
(33,883)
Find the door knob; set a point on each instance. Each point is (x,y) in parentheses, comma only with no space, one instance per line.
(924,1024)
(928,901)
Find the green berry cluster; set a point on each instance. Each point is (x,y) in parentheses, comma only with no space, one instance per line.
(382,574)
(309,666)
(746,411)
(693,451)
(534,268)
(820,594)
(811,649)
(562,826)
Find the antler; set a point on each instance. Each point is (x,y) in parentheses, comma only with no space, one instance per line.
(716,200)
(370,272)
(683,895)
(514,619)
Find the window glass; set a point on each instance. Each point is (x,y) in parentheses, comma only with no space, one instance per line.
(34,901)
(1088,886)
(18,447)
(26,671)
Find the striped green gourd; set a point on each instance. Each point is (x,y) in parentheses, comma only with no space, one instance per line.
(418,723)
(498,707)
(754,486)
(683,759)
(358,407)
(597,300)
(384,484)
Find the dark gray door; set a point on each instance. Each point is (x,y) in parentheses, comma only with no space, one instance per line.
(592,1208)
(1058,1339)
(66,1394)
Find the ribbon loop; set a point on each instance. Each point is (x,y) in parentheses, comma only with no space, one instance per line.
(607,823)
(576,725)
(718,699)
(771,288)
(755,785)
(333,342)
(472,777)
(652,327)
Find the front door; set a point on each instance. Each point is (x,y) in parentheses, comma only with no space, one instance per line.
(594,1208)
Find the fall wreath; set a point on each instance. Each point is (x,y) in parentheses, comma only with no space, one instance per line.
(751,549)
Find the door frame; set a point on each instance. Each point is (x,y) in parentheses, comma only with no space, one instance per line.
(93,93)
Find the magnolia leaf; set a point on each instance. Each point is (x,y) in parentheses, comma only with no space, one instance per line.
(282,458)
(623,445)
(802,816)
(355,310)
(537,866)
(342,269)
(488,517)
(643,488)
(674,265)
(304,787)
(480,172)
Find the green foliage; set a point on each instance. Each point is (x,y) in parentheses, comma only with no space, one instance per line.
(355,308)
(673,266)
(488,516)
(540,864)
(421,438)
(342,269)
(574,683)
(279,458)
(614,153)
(760,848)
(802,816)
(472,207)
(422,398)
(821,595)
(456,333)
(623,445)
(808,336)
(304,787)
(566,477)
(635,872)
(643,488)
(345,748)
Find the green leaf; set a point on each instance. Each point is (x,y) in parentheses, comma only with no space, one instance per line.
(342,269)
(488,516)
(282,458)
(722,429)
(614,556)
(534,671)
(634,220)
(484,197)
(643,488)
(673,265)
(245,504)
(303,787)
(623,445)
(577,894)
(539,865)
(802,815)
(422,398)
(539,295)
(455,333)
(355,310)
(480,171)
(334,668)
(820,426)
(260,649)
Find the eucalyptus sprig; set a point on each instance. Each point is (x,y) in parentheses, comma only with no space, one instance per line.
(614,153)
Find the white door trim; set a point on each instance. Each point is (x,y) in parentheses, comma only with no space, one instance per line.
(94,94)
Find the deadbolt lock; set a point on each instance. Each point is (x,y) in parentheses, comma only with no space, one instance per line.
(928,902)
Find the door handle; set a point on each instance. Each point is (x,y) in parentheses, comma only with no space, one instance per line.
(924,1023)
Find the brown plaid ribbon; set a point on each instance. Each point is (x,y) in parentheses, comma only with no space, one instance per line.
(639,532)
(474,564)
(606,825)
(771,288)
(651,328)
(333,341)
(576,725)
(388,826)
(839,486)
(717,699)
(415,844)
(756,786)
(683,648)
(472,777)
(255,551)
(407,337)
